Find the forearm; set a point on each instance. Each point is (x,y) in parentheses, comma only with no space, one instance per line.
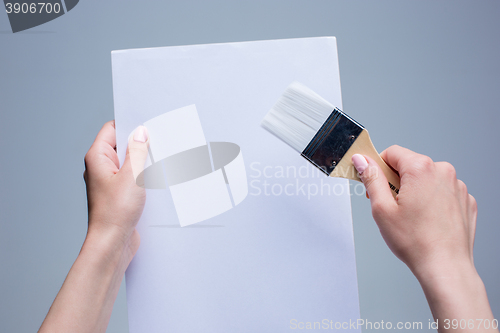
(86,299)
(458,300)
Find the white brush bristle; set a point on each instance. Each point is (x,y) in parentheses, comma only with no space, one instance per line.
(297,116)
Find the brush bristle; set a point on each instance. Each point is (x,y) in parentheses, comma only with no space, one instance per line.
(297,116)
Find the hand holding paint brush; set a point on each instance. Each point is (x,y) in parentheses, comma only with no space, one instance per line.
(431,228)
(424,213)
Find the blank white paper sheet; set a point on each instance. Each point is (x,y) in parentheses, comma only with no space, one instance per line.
(239,233)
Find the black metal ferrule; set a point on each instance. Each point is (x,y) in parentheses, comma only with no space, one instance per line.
(332,141)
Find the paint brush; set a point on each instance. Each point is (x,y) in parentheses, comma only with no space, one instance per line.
(323,134)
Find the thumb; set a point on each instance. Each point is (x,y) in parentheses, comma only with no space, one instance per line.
(137,153)
(374,180)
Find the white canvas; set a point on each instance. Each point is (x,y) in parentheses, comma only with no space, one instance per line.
(175,131)
(200,199)
(284,253)
(238,183)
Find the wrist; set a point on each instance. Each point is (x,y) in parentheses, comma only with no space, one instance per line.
(455,292)
(450,284)
(90,289)
(438,275)
(113,244)
(443,279)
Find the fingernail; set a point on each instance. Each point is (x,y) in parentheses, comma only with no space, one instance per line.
(359,162)
(141,134)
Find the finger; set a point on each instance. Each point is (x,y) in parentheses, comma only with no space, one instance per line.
(105,142)
(375,182)
(463,199)
(463,194)
(137,153)
(107,134)
(398,157)
(472,222)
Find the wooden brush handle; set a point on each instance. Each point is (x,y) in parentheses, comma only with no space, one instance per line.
(363,145)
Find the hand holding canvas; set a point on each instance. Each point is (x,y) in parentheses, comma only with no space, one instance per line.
(115,204)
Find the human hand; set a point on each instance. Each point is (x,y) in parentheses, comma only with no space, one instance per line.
(115,202)
(432,222)
(430,226)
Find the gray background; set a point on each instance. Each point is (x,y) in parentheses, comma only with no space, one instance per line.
(422,74)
